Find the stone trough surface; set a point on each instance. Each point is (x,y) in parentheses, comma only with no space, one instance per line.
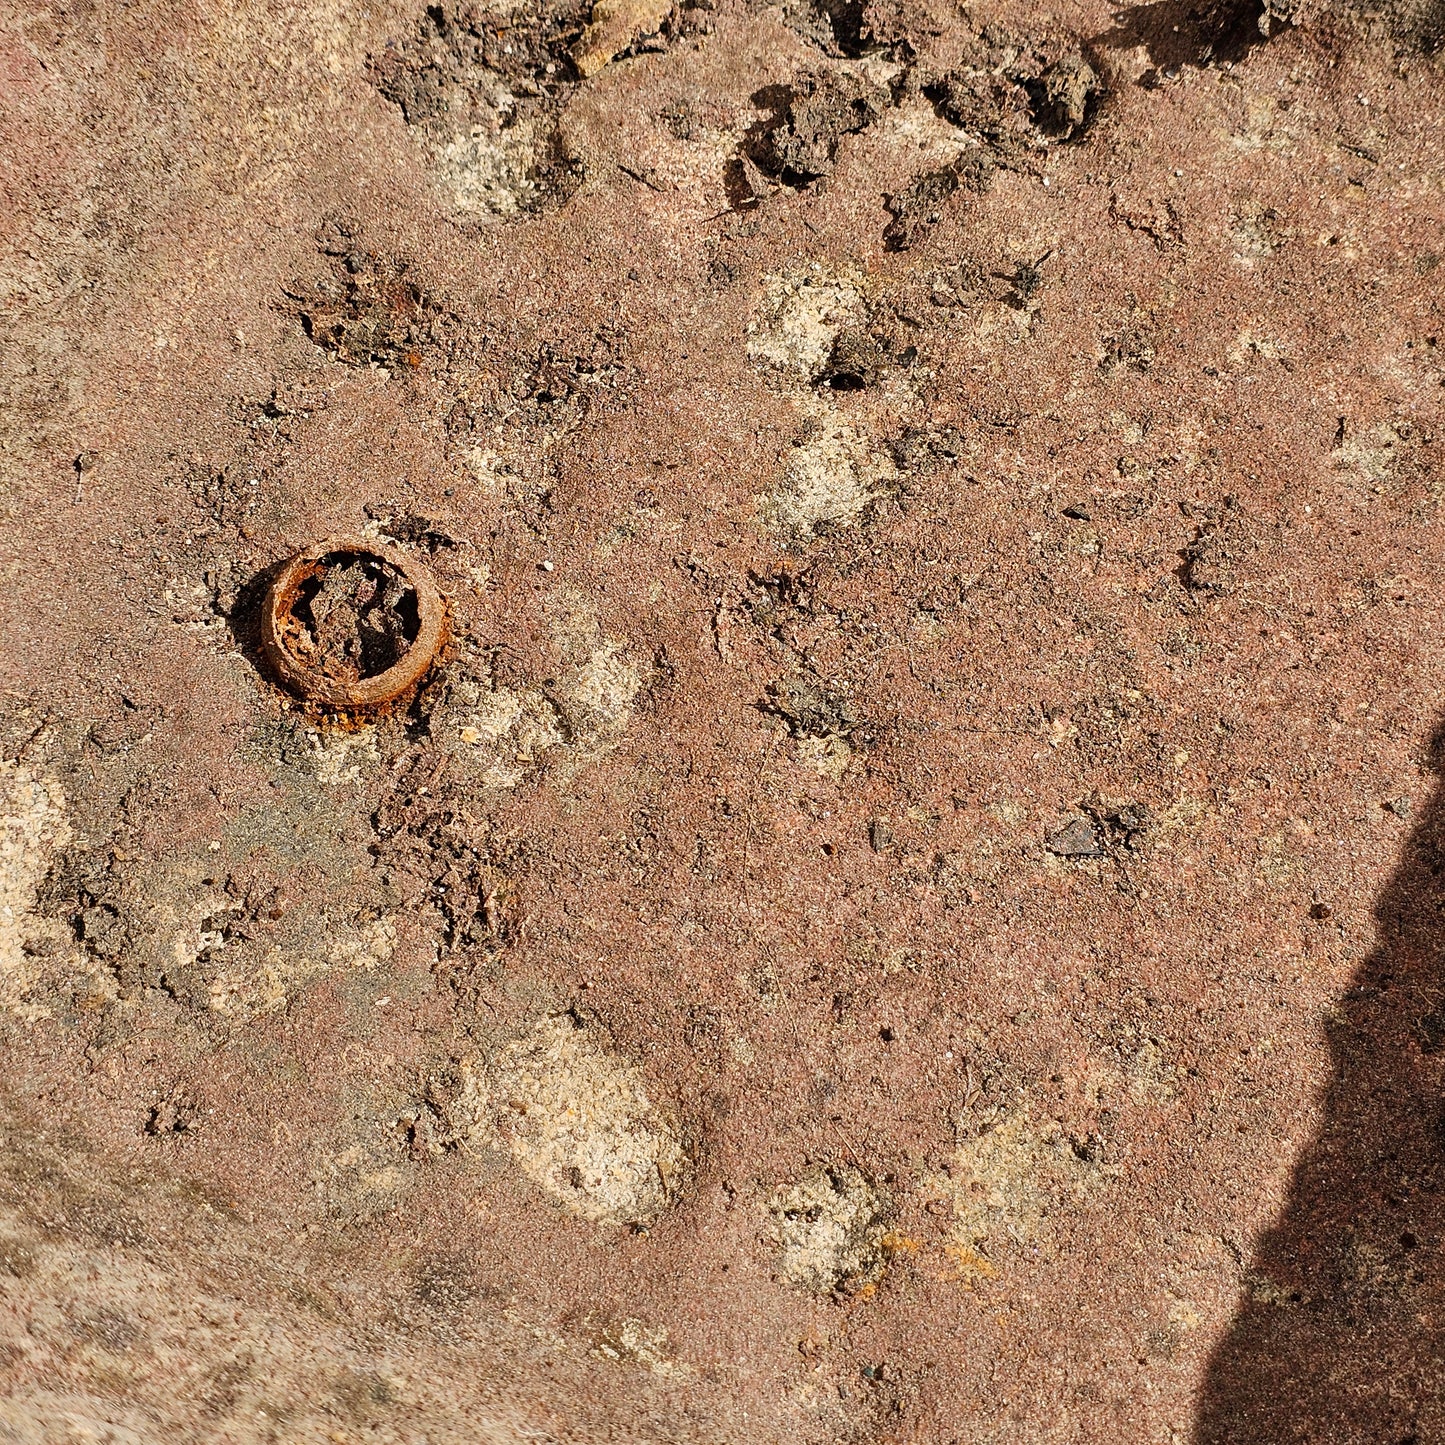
(909,907)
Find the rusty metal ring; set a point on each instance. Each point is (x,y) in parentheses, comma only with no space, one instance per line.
(300,676)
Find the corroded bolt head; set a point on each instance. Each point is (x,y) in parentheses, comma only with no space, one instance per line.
(412,623)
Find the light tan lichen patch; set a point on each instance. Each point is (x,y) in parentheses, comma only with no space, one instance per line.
(577,1119)
(596,697)
(797,322)
(1150,1073)
(829,480)
(490,171)
(1005,1182)
(342,757)
(501,735)
(1252,344)
(829,1230)
(829,757)
(834,472)
(249,993)
(361,1179)
(460,1099)
(489,470)
(366,945)
(1373,454)
(215,963)
(633,1341)
(33,825)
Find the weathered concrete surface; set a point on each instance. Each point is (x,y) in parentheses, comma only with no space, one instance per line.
(912,910)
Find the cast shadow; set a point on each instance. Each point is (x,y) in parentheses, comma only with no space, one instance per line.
(1176,33)
(1340,1336)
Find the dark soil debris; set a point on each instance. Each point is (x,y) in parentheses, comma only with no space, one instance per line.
(464,61)
(1211,559)
(368,311)
(817,113)
(810,709)
(837,27)
(918,209)
(1197,33)
(1076,837)
(1014,94)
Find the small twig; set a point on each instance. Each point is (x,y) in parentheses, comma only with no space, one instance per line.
(30,741)
(641,177)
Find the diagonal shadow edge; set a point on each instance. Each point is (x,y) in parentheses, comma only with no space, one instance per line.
(1339,1338)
